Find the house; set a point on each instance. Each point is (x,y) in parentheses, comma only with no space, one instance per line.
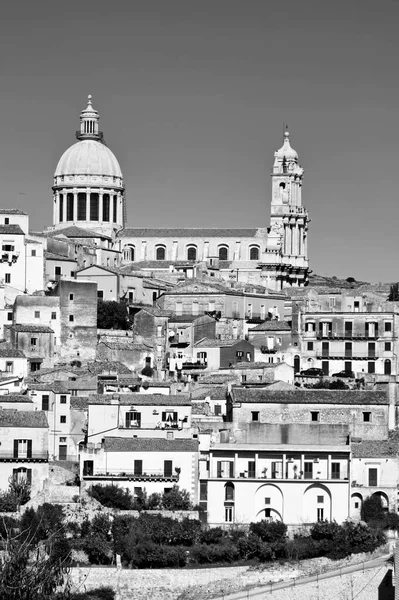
(150,326)
(219,354)
(13,365)
(138,464)
(36,342)
(271,340)
(375,472)
(39,310)
(369,415)
(54,399)
(145,415)
(24,448)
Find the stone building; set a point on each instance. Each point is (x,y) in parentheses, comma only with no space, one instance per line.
(88,193)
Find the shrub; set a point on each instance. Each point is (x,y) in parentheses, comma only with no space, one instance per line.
(112,496)
(212,535)
(147,371)
(224,552)
(103,593)
(98,548)
(269,531)
(8,502)
(372,509)
(392,521)
(20,489)
(176,499)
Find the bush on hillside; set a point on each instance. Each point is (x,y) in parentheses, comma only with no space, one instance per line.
(112,496)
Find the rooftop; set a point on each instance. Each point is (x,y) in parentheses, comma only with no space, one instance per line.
(207,343)
(272,325)
(24,398)
(137,399)
(302,396)
(22,328)
(22,418)
(11,229)
(375,448)
(12,211)
(188,232)
(112,444)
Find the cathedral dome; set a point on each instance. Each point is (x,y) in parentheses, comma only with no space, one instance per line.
(88,157)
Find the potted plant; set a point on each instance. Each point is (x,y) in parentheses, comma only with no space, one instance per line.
(295,467)
(264,472)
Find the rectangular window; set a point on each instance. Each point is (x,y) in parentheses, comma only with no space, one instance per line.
(243,378)
(63,399)
(53,316)
(308,473)
(348,328)
(22,448)
(63,419)
(71,297)
(115,207)
(133,419)
(320,514)
(9,316)
(388,326)
(315,415)
(170,435)
(37,314)
(62,452)
(255,415)
(373,477)
(203,491)
(94,206)
(69,207)
(71,318)
(218,410)
(348,349)
(366,417)
(335,470)
(57,271)
(325,367)
(100,294)
(106,208)
(387,346)
(320,499)
(251,469)
(7,278)
(267,500)
(228,514)
(82,202)
(33,341)
(34,366)
(33,253)
(371,367)
(225,468)
(348,366)
(6,221)
(310,345)
(138,467)
(168,468)
(332,301)
(9,367)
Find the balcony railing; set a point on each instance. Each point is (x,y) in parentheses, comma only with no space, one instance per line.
(334,355)
(8,456)
(131,475)
(154,425)
(214,474)
(342,336)
(195,365)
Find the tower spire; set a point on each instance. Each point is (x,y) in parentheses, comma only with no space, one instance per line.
(89,120)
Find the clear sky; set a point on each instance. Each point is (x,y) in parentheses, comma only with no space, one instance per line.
(193,95)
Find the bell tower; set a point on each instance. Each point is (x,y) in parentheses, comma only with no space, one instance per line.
(287,236)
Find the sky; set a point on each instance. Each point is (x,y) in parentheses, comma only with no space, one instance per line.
(193,96)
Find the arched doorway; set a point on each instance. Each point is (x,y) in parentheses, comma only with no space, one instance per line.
(387,367)
(384,500)
(317,505)
(356,505)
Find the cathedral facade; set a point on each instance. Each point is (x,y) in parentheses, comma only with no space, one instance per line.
(89,193)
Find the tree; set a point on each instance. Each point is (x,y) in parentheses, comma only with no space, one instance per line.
(394,293)
(112,315)
(176,499)
(372,509)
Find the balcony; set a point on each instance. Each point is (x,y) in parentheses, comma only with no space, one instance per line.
(194,365)
(155,424)
(130,475)
(9,256)
(8,456)
(273,477)
(342,336)
(335,355)
(265,350)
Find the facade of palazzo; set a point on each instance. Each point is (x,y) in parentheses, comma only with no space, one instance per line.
(88,192)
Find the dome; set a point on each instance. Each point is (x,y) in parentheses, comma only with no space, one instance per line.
(88,157)
(286,151)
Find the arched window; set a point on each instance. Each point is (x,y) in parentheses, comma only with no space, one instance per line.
(254,253)
(191,253)
(229,492)
(128,253)
(387,367)
(223,253)
(160,253)
(297,363)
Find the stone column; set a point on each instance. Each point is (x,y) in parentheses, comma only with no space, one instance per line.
(100,206)
(55,208)
(75,205)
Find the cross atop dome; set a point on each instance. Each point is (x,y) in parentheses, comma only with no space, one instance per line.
(89,119)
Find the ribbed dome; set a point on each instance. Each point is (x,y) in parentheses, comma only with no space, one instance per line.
(88,157)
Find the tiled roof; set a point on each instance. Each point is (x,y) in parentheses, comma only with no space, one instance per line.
(374,448)
(186,232)
(279,386)
(112,444)
(25,399)
(273,325)
(22,418)
(216,393)
(141,399)
(206,343)
(30,328)
(52,256)
(155,283)
(12,211)
(184,318)
(11,353)
(301,396)
(103,367)
(256,365)
(58,387)
(218,378)
(84,383)
(11,229)
(155,311)
(77,232)
(79,402)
